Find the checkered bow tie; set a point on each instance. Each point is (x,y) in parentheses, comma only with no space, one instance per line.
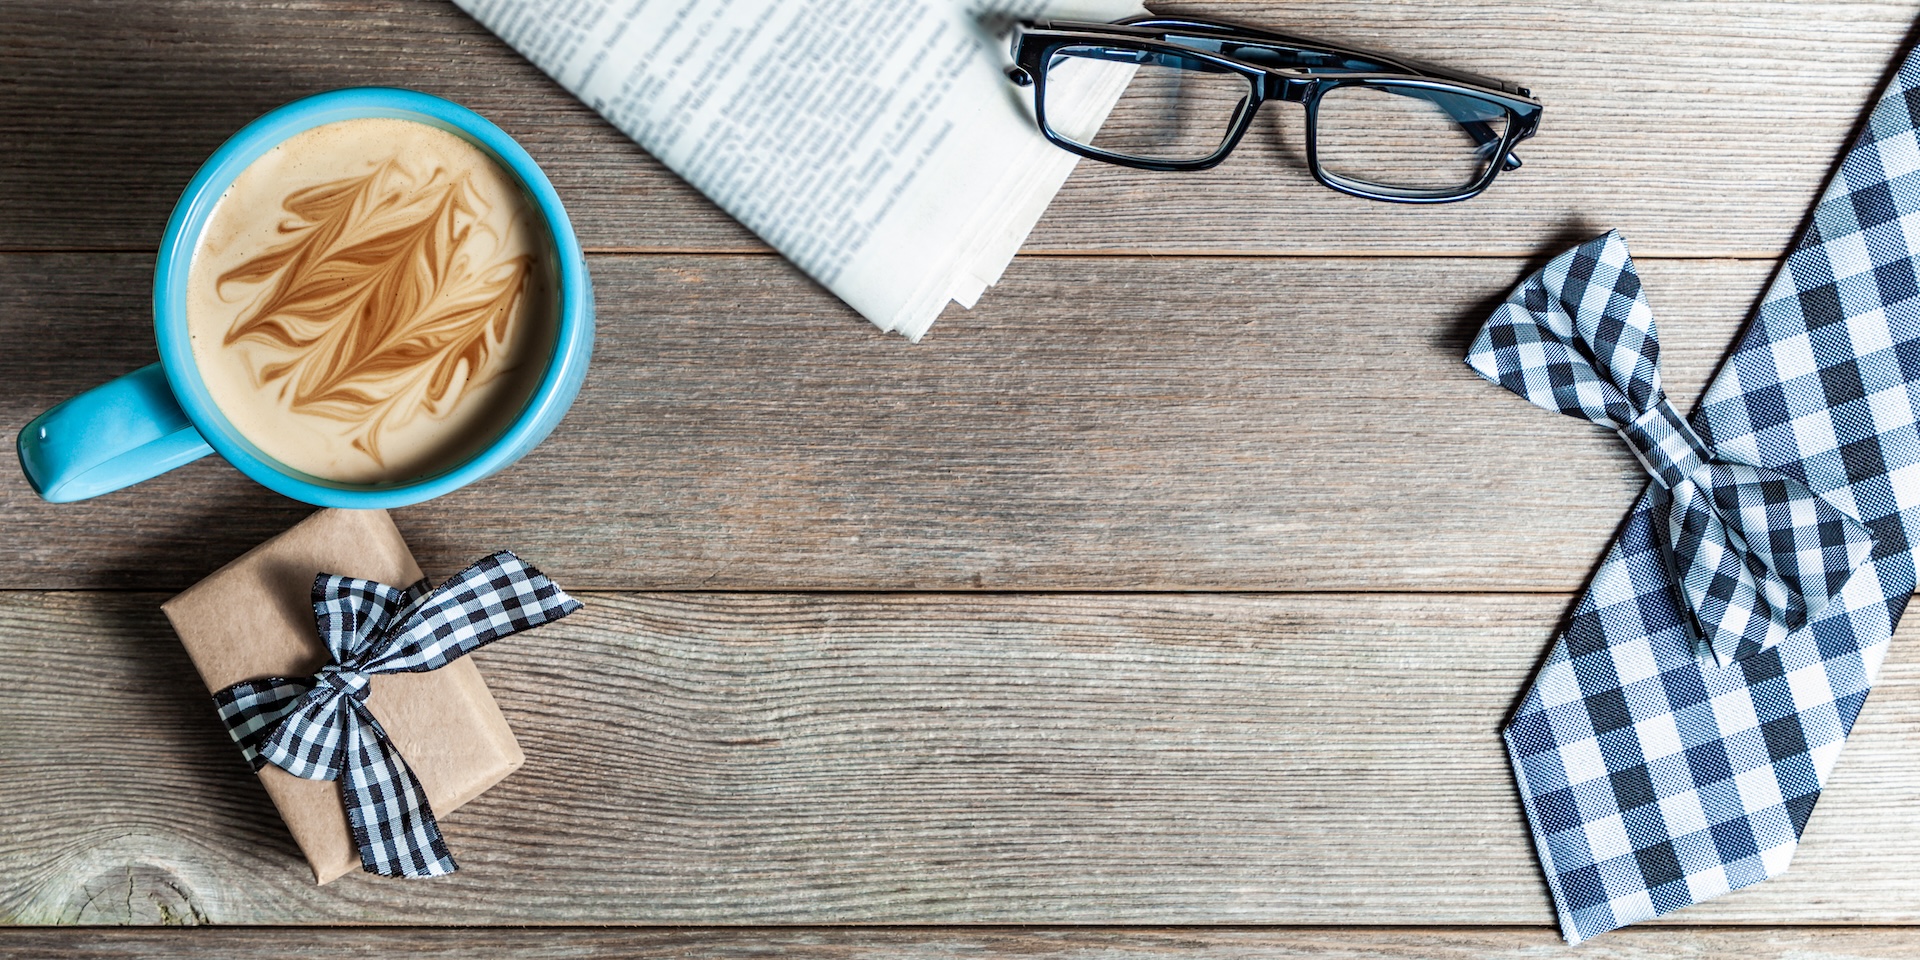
(319,728)
(1654,777)
(1754,555)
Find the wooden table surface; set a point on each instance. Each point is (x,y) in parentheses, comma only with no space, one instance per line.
(1167,604)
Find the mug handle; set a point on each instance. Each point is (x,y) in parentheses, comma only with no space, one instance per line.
(115,435)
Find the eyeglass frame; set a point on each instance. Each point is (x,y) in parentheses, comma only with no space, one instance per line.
(1035,42)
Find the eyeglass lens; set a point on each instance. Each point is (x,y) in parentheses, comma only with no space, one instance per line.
(1404,137)
(1174,108)
(1407,137)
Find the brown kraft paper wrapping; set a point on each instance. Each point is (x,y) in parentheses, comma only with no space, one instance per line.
(254,618)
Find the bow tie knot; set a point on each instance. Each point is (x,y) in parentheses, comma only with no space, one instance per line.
(1753,556)
(1666,445)
(342,681)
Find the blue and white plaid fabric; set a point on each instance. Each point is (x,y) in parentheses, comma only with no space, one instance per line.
(1754,555)
(319,728)
(1656,776)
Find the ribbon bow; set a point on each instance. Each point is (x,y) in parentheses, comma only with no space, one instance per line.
(1753,555)
(320,729)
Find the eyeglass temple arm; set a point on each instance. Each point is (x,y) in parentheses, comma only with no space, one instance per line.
(1482,134)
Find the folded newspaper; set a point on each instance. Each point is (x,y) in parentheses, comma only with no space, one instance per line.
(875,143)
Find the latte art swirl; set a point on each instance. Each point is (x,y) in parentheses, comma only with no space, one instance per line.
(368,302)
(376,299)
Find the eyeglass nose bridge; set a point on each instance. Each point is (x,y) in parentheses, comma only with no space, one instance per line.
(1287,86)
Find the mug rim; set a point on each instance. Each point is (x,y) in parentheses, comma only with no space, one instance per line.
(574,324)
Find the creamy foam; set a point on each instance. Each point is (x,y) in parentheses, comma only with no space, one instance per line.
(369,302)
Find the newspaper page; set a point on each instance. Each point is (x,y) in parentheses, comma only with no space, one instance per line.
(875,143)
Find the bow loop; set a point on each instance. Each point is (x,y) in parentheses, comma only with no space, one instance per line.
(320,728)
(1754,555)
(352,613)
(1583,335)
(1761,555)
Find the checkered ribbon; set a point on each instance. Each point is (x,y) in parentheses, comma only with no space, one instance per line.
(1753,555)
(319,728)
(1654,778)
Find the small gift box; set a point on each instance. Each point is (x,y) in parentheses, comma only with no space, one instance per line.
(301,633)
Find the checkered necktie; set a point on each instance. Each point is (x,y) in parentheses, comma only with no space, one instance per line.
(1656,773)
(319,728)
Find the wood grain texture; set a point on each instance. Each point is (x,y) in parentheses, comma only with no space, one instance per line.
(1097,424)
(702,758)
(953,943)
(1297,420)
(1702,128)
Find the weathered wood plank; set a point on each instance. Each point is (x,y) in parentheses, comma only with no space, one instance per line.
(700,758)
(1098,424)
(1703,128)
(954,943)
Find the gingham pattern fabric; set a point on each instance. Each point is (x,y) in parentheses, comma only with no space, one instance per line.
(1754,555)
(1653,778)
(320,729)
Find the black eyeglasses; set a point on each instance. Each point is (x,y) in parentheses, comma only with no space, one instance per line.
(1377,127)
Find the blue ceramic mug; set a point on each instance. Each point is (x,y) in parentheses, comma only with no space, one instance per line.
(161,416)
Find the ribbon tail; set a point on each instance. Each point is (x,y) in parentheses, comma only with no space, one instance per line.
(387,809)
(253,709)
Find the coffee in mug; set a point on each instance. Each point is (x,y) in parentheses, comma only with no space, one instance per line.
(369,302)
